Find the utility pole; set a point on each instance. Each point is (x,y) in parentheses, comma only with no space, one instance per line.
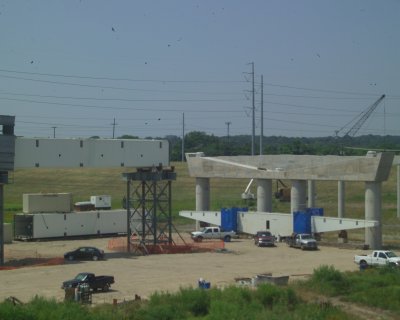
(54,132)
(113,125)
(253,111)
(227,149)
(228,123)
(262,115)
(183,137)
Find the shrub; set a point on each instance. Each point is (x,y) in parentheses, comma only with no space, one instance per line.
(197,302)
(328,280)
(43,309)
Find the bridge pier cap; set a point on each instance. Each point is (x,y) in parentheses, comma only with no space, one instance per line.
(373,167)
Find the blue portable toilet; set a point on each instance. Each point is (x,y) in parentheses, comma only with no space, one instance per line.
(316,211)
(229,218)
(301,222)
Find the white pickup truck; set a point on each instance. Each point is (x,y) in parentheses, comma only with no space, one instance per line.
(303,241)
(213,233)
(378,258)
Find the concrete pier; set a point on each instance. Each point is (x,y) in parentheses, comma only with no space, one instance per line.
(264,195)
(373,236)
(341,197)
(298,192)
(311,193)
(202,194)
(398,191)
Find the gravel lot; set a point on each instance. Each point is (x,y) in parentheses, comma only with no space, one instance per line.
(143,275)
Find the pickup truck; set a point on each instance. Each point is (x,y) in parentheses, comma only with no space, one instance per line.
(94,282)
(264,239)
(213,233)
(303,241)
(378,258)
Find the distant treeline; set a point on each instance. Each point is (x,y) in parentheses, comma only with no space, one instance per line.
(211,145)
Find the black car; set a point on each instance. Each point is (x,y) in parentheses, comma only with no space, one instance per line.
(85,253)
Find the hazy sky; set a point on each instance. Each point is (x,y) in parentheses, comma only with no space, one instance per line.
(78,64)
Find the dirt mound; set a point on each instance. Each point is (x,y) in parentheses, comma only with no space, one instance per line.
(29,262)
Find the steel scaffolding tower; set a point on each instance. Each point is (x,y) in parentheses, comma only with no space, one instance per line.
(148,204)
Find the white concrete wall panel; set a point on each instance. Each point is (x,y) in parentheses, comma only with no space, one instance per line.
(67,153)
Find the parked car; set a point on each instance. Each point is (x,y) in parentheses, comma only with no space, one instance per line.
(95,282)
(213,233)
(264,239)
(85,253)
(303,241)
(378,258)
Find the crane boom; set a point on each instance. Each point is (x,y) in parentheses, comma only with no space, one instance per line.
(363,117)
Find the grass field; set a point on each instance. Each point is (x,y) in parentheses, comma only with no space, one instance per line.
(85,182)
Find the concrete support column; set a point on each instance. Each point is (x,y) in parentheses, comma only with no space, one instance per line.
(398,191)
(341,196)
(264,195)
(202,196)
(311,193)
(298,193)
(373,236)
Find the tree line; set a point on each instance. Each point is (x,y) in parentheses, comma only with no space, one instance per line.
(211,145)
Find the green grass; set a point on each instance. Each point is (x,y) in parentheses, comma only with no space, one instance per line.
(266,302)
(377,288)
(374,287)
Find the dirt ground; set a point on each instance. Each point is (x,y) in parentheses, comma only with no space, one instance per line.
(143,275)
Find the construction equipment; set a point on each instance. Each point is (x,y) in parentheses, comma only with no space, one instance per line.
(283,193)
(360,119)
(247,195)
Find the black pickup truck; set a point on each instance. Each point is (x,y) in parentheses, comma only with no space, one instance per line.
(95,282)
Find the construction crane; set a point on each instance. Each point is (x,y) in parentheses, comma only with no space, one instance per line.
(360,119)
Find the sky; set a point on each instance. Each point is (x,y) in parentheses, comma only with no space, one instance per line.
(82,68)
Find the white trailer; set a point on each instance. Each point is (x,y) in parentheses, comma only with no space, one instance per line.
(73,224)
(280,224)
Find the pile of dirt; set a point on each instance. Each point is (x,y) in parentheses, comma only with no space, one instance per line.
(29,262)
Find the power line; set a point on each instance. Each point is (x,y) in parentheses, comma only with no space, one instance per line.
(113,107)
(319,90)
(162,81)
(119,99)
(89,85)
